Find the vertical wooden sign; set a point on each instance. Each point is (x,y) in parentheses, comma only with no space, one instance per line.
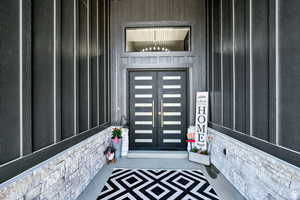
(201,120)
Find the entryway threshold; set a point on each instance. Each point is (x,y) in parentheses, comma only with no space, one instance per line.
(157,154)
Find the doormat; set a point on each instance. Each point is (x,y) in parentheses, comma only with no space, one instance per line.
(144,184)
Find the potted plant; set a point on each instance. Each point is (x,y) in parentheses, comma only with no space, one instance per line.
(198,155)
(117,141)
(110,154)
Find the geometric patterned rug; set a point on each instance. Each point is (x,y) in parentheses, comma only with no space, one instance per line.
(144,184)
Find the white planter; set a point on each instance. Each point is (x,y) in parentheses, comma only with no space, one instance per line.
(199,158)
(125,142)
(118,148)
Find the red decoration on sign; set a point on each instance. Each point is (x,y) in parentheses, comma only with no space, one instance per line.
(190,140)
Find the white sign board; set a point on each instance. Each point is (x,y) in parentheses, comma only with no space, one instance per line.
(201,120)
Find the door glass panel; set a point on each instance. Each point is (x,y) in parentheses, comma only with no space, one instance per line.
(145,87)
(172,104)
(143,122)
(172,86)
(139,78)
(143,140)
(172,141)
(171,77)
(171,95)
(143,131)
(171,131)
(172,122)
(143,105)
(143,113)
(172,113)
(143,96)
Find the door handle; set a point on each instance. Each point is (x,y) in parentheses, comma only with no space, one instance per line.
(161,113)
(153,123)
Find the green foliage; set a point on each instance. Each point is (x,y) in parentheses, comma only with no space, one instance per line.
(204,152)
(194,150)
(117,132)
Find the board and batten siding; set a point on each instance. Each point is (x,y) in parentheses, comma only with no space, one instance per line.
(53,58)
(68,68)
(288,74)
(145,13)
(9,80)
(44,67)
(254,73)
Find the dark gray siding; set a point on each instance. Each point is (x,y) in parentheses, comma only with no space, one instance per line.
(134,13)
(83,67)
(51,82)
(240,64)
(42,73)
(216,64)
(261,75)
(9,81)
(260,68)
(67,69)
(289,74)
(94,64)
(227,51)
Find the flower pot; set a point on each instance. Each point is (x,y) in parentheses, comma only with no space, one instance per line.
(118,147)
(199,158)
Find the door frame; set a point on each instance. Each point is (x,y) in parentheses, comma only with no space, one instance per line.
(184,69)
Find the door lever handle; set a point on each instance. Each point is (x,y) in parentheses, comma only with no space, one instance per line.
(161,113)
(153,123)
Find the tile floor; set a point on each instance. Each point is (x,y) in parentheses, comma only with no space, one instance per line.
(223,188)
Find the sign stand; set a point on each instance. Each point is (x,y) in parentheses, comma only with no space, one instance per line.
(199,152)
(201,120)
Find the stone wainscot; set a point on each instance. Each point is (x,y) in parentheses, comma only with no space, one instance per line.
(62,177)
(256,174)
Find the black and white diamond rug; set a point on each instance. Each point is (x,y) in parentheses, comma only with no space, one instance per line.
(144,184)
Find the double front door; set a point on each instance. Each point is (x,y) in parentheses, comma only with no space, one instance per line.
(158,104)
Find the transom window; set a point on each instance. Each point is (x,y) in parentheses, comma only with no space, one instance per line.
(157,39)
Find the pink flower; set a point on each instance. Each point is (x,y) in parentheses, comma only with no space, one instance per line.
(115,140)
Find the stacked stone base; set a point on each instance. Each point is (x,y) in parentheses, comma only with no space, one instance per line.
(256,174)
(62,177)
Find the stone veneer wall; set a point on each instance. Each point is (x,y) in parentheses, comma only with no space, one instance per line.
(62,177)
(256,174)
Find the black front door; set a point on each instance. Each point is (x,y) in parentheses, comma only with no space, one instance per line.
(158,110)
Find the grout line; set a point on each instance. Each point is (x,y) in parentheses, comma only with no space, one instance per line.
(251,70)
(75,72)
(21,74)
(277,72)
(54,73)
